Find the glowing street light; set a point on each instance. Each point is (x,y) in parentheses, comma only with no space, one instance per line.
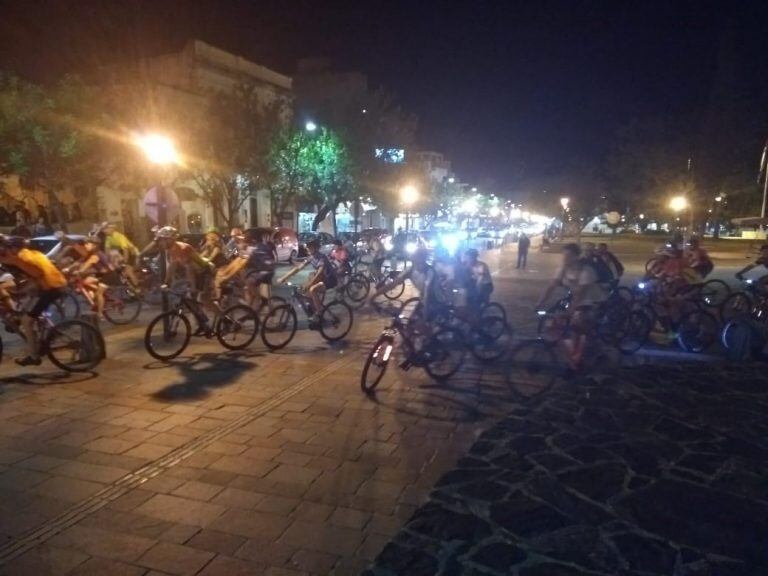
(409,195)
(564,201)
(158,149)
(678,203)
(718,198)
(474,188)
(310,126)
(451,180)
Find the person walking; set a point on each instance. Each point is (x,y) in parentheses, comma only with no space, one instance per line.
(523,245)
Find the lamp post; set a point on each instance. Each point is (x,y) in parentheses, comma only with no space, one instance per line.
(409,194)
(160,151)
(678,204)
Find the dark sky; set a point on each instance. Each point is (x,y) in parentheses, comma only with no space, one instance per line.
(497,85)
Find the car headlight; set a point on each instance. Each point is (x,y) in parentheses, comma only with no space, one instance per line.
(450,242)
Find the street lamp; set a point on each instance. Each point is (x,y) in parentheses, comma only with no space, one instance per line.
(409,195)
(158,149)
(474,188)
(310,126)
(678,203)
(564,201)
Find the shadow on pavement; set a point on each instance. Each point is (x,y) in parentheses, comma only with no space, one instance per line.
(48,378)
(204,373)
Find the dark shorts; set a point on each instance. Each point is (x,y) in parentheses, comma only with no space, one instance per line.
(260,276)
(44,300)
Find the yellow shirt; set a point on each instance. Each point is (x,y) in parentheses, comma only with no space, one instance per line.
(119,241)
(37,266)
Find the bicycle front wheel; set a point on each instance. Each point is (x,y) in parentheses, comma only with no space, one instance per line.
(167,335)
(697,331)
(335,321)
(376,364)
(121,305)
(279,327)
(533,369)
(443,354)
(74,346)
(356,289)
(236,328)
(396,290)
(490,341)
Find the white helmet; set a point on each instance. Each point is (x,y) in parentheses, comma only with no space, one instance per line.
(167,232)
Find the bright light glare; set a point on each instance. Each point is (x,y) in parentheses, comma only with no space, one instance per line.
(409,194)
(718,198)
(564,201)
(388,245)
(158,149)
(310,126)
(678,203)
(495,211)
(451,180)
(411,247)
(469,206)
(450,242)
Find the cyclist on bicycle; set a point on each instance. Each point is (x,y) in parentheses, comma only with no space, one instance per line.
(480,281)
(610,260)
(212,248)
(122,252)
(7,287)
(91,267)
(379,255)
(260,262)
(49,281)
(580,278)
(340,257)
(698,259)
(323,279)
(423,277)
(238,251)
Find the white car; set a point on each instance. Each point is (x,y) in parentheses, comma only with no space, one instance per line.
(51,245)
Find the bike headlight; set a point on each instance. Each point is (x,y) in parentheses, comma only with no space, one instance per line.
(641,285)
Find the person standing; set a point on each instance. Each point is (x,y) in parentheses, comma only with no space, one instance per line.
(523,245)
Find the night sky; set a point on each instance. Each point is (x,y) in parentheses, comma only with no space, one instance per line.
(504,88)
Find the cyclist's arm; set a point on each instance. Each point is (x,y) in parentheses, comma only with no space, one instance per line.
(746,269)
(295,270)
(88,264)
(170,271)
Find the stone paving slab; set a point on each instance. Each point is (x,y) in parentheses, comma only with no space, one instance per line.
(651,471)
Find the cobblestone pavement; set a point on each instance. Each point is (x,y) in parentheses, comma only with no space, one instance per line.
(652,471)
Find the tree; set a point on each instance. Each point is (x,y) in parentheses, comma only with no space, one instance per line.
(313,168)
(45,138)
(230,149)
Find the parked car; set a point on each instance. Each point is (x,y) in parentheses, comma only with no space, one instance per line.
(325,239)
(284,239)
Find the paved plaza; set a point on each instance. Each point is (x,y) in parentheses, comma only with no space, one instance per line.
(260,463)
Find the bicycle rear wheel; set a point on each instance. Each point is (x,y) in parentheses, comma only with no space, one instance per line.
(167,335)
(490,341)
(236,328)
(376,364)
(493,310)
(279,327)
(533,369)
(74,346)
(122,305)
(443,354)
(697,331)
(395,291)
(335,321)
(633,332)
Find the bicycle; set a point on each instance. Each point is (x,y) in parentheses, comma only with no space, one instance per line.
(334,320)
(440,354)
(71,345)
(169,333)
(751,300)
(121,303)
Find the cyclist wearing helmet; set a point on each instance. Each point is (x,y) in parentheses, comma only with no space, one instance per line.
(182,255)
(423,277)
(237,250)
(260,266)
(48,280)
(121,251)
(212,248)
(323,279)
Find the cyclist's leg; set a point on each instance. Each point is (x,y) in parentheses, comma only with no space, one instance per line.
(316,294)
(29,326)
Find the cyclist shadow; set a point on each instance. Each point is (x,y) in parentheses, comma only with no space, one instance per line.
(205,372)
(47,378)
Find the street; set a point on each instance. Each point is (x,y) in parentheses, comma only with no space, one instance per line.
(276,463)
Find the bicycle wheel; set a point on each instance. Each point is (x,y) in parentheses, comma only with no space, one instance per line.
(376,364)
(443,354)
(697,331)
(167,335)
(396,291)
(237,327)
(493,310)
(68,306)
(737,304)
(490,341)
(121,305)
(356,289)
(714,293)
(74,346)
(652,263)
(335,321)
(279,327)
(633,332)
(533,369)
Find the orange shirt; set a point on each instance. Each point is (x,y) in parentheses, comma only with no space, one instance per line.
(37,266)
